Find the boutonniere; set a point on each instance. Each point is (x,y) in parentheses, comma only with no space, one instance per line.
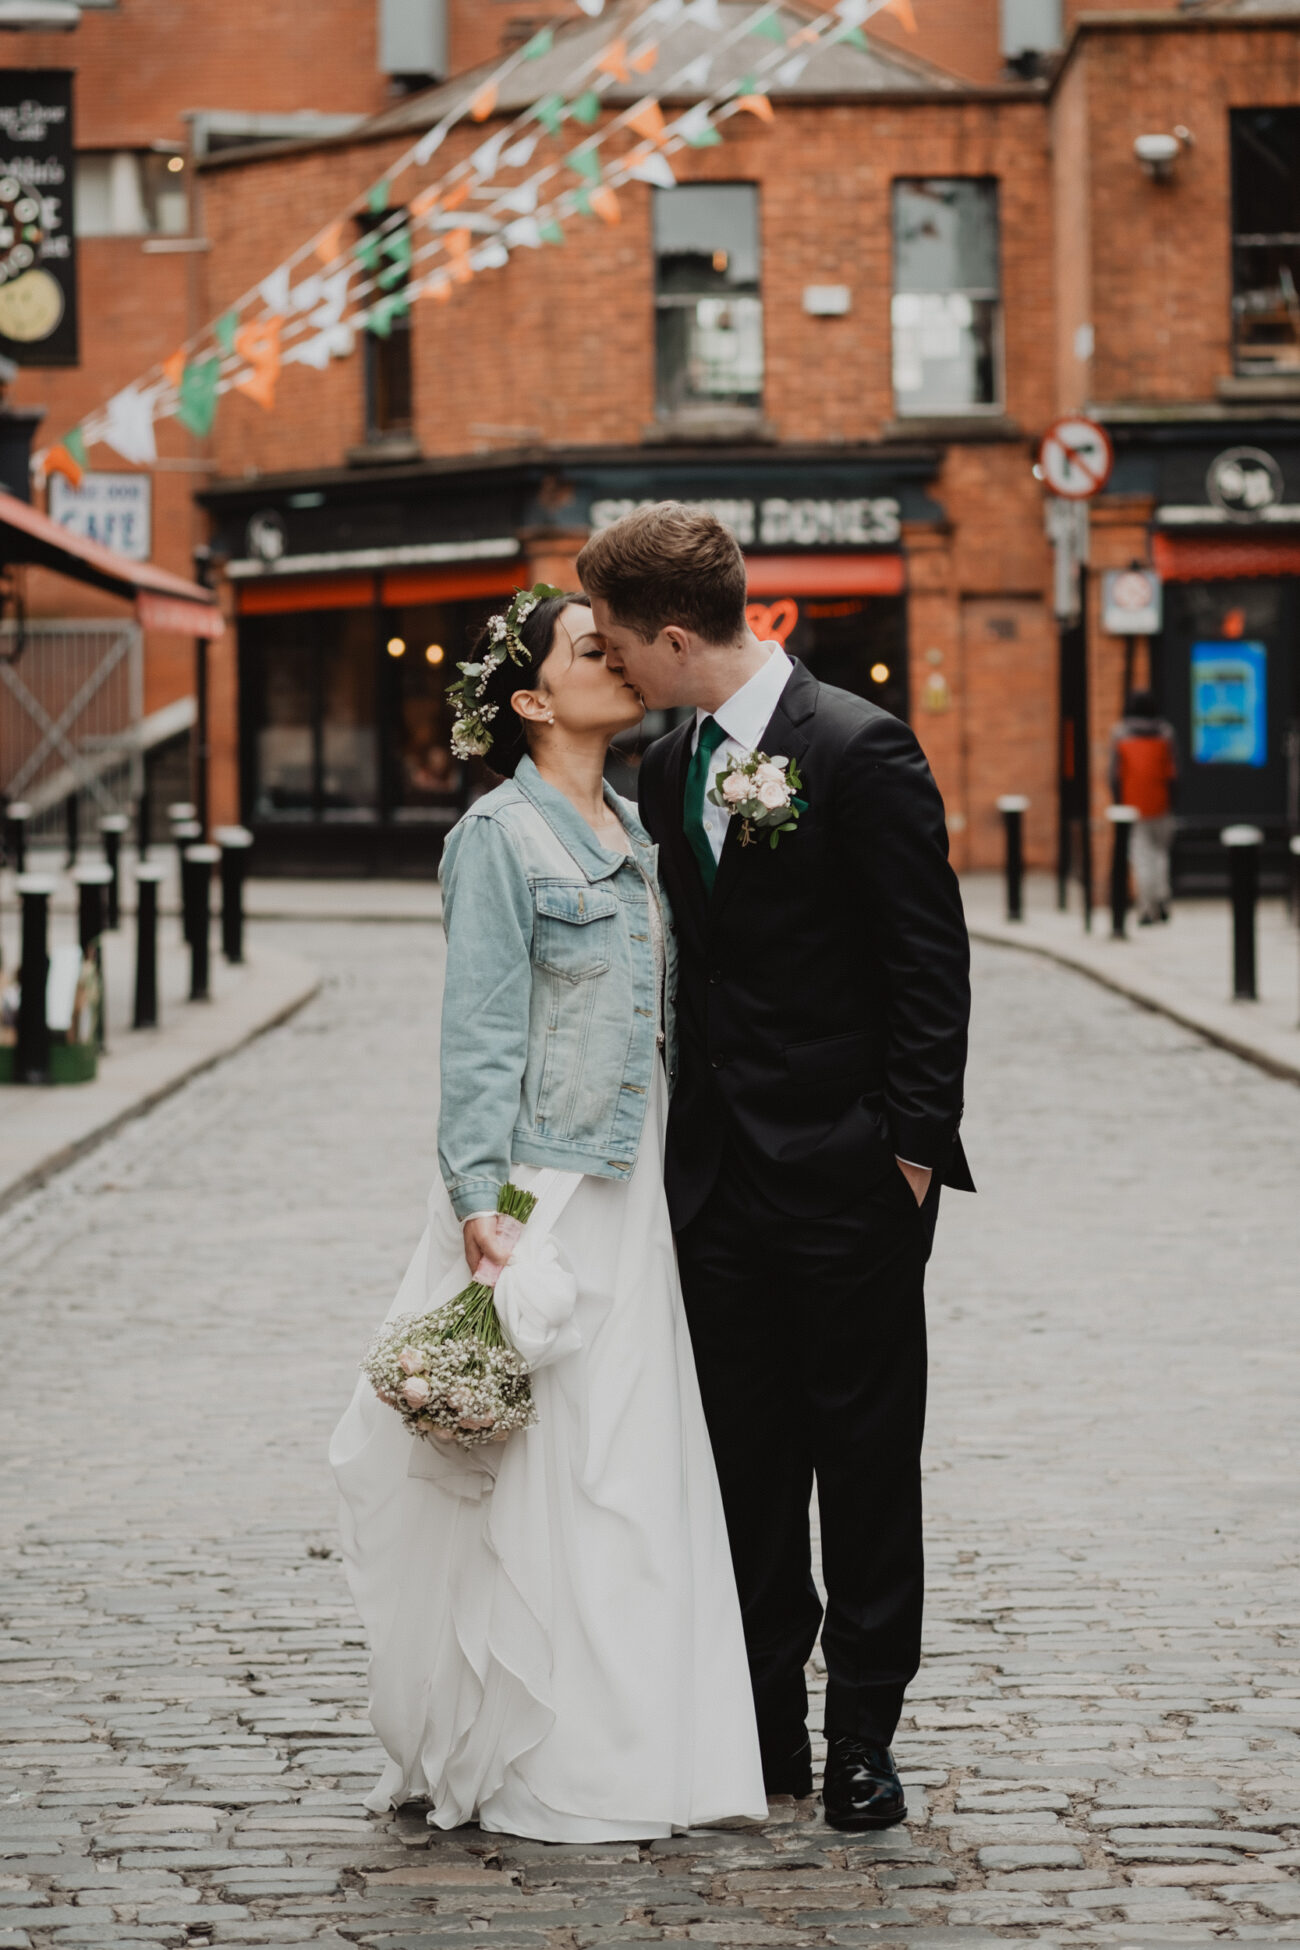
(760,791)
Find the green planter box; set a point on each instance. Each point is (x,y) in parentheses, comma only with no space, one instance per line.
(69,1062)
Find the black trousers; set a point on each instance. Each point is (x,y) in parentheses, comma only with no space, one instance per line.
(809,1339)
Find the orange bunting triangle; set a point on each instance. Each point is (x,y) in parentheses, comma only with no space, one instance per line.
(805,37)
(614,61)
(458,246)
(645,60)
(605,204)
(259,343)
(60,461)
(456,194)
(329,244)
(174,367)
(648,120)
(903,9)
(425,201)
(757,105)
(484,102)
(441,291)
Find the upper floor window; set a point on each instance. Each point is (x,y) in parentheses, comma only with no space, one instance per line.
(1266,239)
(387,355)
(708,312)
(946,306)
(131,193)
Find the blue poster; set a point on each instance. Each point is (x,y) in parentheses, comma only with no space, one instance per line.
(1229,696)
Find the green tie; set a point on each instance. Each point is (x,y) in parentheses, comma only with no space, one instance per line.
(711,736)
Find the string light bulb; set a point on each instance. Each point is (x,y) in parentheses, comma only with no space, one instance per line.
(880,673)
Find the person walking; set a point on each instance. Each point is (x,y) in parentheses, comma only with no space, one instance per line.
(1143,773)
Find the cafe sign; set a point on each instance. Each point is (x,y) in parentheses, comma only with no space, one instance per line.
(778,522)
(38,263)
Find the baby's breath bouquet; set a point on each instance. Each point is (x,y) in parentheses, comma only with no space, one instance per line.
(452,1375)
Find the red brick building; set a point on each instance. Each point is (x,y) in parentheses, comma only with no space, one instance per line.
(846,327)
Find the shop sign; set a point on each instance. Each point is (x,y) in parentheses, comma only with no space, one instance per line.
(265,535)
(1244,482)
(38,261)
(112,509)
(1130,602)
(1229,703)
(776,522)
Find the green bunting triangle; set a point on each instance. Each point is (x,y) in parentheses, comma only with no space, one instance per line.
(852,37)
(379,319)
(584,162)
(397,247)
(542,43)
(198,397)
(704,138)
(582,203)
(769,29)
(367,248)
(550,112)
(225,329)
(75,442)
(746,85)
(587,108)
(550,232)
(377,200)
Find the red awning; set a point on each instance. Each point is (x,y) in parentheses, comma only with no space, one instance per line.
(162,601)
(1224,558)
(825,575)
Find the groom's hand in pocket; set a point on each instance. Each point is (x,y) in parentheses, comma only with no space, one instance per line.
(480,1239)
(918,1178)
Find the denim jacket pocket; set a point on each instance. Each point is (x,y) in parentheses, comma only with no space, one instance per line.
(574,928)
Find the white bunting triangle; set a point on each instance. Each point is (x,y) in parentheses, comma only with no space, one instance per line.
(425,147)
(520,153)
(654,169)
(274,291)
(129,430)
(696,73)
(525,231)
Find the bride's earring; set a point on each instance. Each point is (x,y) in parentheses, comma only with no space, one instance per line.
(550,717)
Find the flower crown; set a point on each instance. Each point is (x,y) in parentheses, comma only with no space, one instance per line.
(471,733)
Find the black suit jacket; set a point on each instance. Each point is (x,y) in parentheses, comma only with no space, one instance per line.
(823,986)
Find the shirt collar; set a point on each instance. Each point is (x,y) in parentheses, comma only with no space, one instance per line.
(746,714)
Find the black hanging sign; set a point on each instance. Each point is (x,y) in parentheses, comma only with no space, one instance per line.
(38,252)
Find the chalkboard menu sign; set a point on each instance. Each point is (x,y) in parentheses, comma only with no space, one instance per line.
(38,252)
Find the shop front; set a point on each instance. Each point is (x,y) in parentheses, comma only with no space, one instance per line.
(357,597)
(1226,665)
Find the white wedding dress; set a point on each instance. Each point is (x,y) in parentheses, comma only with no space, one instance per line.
(556,1645)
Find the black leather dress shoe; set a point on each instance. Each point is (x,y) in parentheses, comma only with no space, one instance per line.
(792,1775)
(862,1788)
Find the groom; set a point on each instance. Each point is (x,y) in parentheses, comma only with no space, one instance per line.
(822,1008)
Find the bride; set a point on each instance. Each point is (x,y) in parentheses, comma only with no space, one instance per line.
(556,1645)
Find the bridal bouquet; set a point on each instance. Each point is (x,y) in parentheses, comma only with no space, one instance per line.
(452,1375)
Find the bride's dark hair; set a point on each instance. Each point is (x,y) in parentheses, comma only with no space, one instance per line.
(536,634)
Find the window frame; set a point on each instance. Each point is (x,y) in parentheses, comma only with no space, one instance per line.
(686,411)
(1247,364)
(996,408)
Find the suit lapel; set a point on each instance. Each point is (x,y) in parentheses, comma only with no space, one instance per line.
(787,734)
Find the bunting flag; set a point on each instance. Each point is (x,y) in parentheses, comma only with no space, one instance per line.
(370,282)
(60,460)
(198,401)
(259,344)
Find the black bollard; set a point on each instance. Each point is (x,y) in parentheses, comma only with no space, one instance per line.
(143,820)
(111,829)
(32,1054)
(1122,820)
(234,842)
(199,862)
(72,828)
(94,883)
(1294,845)
(180,811)
(1013,808)
(1243,844)
(186,833)
(17,814)
(147,877)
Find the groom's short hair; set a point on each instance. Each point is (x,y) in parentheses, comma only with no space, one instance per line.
(668,564)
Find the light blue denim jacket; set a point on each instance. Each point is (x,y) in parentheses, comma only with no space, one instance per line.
(549,1017)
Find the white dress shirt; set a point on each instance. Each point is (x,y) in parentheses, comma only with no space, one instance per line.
(744,717)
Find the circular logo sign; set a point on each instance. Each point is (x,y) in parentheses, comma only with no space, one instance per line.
(265,535)
(1243,481)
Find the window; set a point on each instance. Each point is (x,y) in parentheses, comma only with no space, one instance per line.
(131,193)
(1266,239)
(708,314)
(386,261)
(946,311)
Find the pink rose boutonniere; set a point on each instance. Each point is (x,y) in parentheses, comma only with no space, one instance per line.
(761,792)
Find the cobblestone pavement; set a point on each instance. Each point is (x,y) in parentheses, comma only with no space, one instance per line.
(1104,1745)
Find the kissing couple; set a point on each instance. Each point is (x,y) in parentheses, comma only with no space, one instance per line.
(721,1038)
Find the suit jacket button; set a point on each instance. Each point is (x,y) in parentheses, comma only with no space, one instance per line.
(715,975)
(717,1061)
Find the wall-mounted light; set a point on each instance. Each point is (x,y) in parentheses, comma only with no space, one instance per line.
(434,654)
(396,647)
(1158,153)
(175,164)
(880,673)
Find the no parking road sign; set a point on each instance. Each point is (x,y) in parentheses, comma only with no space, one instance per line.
(1076,457)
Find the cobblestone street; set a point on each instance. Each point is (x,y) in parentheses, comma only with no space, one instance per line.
(1104,1742)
